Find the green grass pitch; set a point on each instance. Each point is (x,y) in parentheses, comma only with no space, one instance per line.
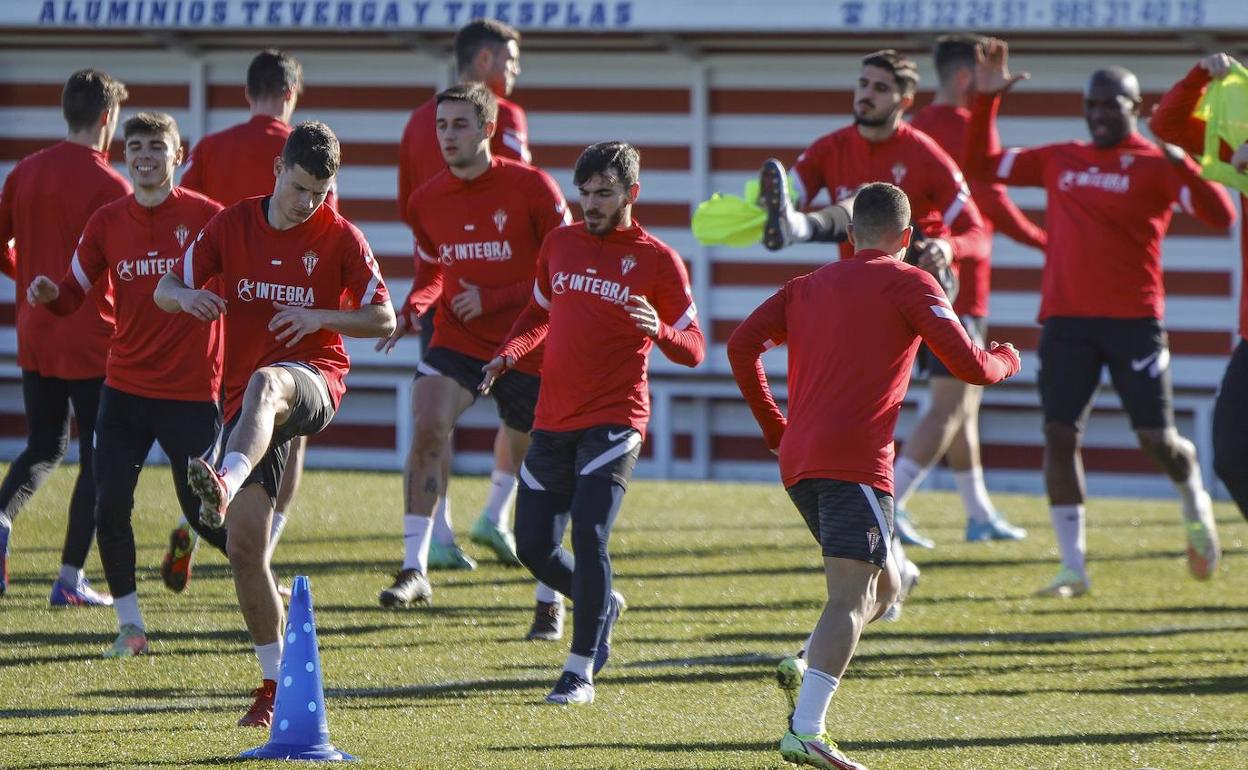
(722,579)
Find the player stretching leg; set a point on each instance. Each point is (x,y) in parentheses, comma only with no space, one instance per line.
(1109,204)
(606,293)
(834,380)
(164,375)
(478,224)
(285,261)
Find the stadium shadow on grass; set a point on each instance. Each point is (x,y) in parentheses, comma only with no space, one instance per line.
(1214,685)
(1077,739)
(989,637)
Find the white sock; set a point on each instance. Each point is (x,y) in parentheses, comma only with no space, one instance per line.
(417,534)
(1197,505)
(547,594)
(502,494)
(907,475)
(5,521)
(235,469)
(128,610)
(799,226)
(70,576)
(275,532)
(974,495)
(1072,541)
(581,665)
(813,701)
(898,551)
(270,656)
(442,532)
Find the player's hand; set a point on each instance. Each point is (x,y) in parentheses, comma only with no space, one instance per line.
(992,71)
(493,370)
(294,323)
(201,303)
(1240,159)
(42,291)
(467,304)
(644,315)
(1172,153)
(937,255)
(993,346)
(404,323)
(1217,65)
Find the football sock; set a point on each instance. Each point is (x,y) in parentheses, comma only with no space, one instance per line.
(1196,503)
(813,701)
(581,665)
(442,532)
(190,531)
(128,610)
(974,495)
(547,594)
(502,495)
(235,469)
(275,532)
(799,226)
(270,656)
(1072,542)
(417,534)
(70,576)
(907,475)
(5,521)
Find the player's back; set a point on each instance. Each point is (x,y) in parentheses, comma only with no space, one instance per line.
(237,163)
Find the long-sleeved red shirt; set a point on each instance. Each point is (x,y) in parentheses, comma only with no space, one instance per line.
(130,246)
(594,370)
(46,202)
(1108,210)
(1172,122)
(852,328)
(947,125)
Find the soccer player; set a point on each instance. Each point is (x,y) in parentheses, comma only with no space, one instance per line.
(487,52)
(849,386)
(479,224)
(950,423)
(229,166)
(1102,298)
(284,261)
(163,376)
(606,292)
(1173,122)
(47,199)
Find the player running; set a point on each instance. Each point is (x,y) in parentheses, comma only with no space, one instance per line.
(163,376)
(1173,122)
(949,425)
(479,224)
(47,199)
(850,386)
(284,261)
(606,292)
(1102,298)
(229,166)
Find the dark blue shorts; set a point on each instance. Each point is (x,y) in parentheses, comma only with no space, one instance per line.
(850,520)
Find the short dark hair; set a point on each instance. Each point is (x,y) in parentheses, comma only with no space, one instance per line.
(482,99)
(152,123)
(954,52)
(87,95)
(478,34)
(880,210)
(904,70)
(313,147)
(615,159)
(273,73)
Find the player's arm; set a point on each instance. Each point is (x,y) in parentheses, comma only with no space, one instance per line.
(672,320)
(762,330)
(8,254)
(528,331)
(1172,120)
(426,289)
(1205,200)
(920,300)
(179,290)
(85,268)
(1015,167)
(193,172)
(513,135)
(8,260)
(1006,218)
(373,316)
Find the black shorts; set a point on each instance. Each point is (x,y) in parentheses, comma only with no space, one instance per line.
(850,520)
(930,366)
(426,329)
(556,459)
(514,394)
(310,414)
(1073,351)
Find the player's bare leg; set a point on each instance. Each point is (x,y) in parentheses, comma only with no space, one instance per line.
(1064,481)
(247,545)
(444,552)
(983,521)
(1177,458)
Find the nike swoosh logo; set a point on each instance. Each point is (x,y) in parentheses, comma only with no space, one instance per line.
(612,436)
(1139,364)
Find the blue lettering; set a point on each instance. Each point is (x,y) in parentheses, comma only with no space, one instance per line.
(160,9)
(138,12)
(92,15)
(344,14)
(47,13)
(196,12)
(368,13)
(251,7)
(320,13)
(502,12)
(597,15)
(297,12)
(70,14)
(549,12)
(390,17)
(220,12)
(526,14)
(623,14)
(478,11)
(452,12)
(118,10)
(421,9)
(574,18)
(274,17)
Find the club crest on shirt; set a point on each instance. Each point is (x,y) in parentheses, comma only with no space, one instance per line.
(899,172)
(627,263)
(309,261)
(500,220)
(182,233)
(873,539)
(1125,161)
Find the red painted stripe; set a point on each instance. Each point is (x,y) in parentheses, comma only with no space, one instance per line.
(332,97)
(17,94)
(649,214)
(774,101)
(546,156)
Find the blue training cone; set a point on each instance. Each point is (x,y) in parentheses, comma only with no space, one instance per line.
(300,729)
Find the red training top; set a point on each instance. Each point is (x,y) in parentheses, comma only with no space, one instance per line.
(947,125)
(1108,209)
(420,155)
(309,265)
(1172,122)
(47,199)
(485,233)
(853,329)
(153,354)
(594,372)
